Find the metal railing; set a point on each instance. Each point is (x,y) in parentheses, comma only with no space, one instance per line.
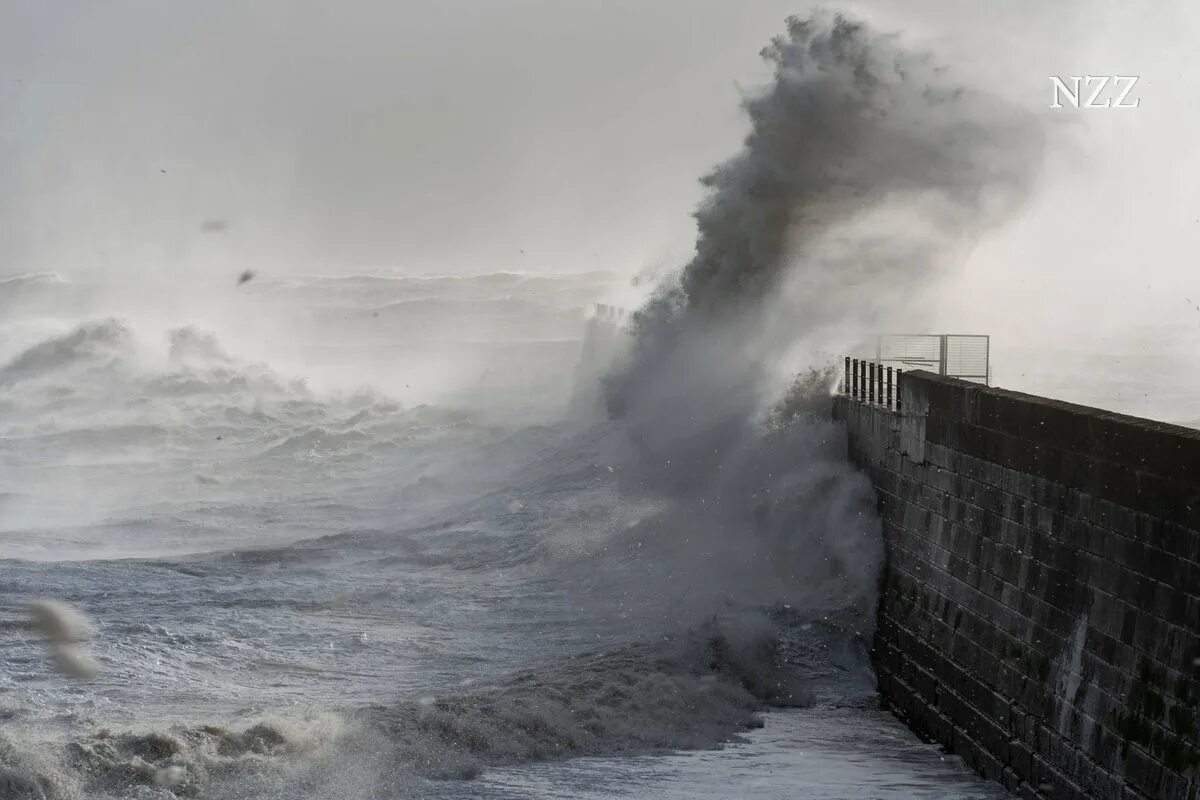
(871,382)
(963,356)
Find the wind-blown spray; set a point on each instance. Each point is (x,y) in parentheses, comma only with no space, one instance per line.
(866,173)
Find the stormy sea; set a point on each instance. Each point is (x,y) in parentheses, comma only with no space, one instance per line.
(303,592)
(395,534)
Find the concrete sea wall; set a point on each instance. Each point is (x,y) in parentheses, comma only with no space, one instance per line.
(1040,613)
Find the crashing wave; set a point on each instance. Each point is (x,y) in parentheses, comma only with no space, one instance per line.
(189,345)
(94,343)
(696,691)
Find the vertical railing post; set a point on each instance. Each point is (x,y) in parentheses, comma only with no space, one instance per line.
(846,377)
(899,372)
(854,381)
(889,387)
(871,382)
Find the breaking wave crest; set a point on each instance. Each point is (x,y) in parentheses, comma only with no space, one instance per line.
(98,356)
(694,691)
(98,344)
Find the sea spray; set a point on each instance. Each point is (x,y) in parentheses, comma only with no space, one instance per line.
(854,134)
(866,172)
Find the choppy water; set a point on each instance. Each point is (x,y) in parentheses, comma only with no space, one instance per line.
(392,579)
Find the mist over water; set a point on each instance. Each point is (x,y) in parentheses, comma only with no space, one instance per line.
(337,537)
(867,169)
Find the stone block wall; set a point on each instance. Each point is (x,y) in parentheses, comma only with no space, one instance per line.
(1040,614)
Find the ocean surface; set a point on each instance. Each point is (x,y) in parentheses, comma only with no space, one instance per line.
(336,538)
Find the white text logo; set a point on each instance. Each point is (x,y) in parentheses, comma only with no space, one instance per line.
(1093,91)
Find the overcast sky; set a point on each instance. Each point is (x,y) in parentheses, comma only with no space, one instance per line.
(456,136)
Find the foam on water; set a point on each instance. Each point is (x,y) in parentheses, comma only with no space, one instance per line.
(376,596)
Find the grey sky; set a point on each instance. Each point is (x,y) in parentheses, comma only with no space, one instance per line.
(449,136)
(436,136)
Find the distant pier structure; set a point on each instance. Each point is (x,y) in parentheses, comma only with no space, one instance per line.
(614,315)
(605,345)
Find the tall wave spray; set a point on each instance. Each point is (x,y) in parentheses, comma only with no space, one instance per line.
(866,173)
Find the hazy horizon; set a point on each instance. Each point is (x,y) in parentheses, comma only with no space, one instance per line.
(472,137)
(150,150)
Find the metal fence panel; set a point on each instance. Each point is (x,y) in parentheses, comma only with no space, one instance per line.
(910,351)
(964,356)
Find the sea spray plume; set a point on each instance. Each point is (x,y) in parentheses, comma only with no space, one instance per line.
(850,121)
(805,400)
(864,168)
(774,518)
(865,171)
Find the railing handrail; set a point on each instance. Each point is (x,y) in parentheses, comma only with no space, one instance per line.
(870,382)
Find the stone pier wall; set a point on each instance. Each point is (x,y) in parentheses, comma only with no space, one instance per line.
(1041,606)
